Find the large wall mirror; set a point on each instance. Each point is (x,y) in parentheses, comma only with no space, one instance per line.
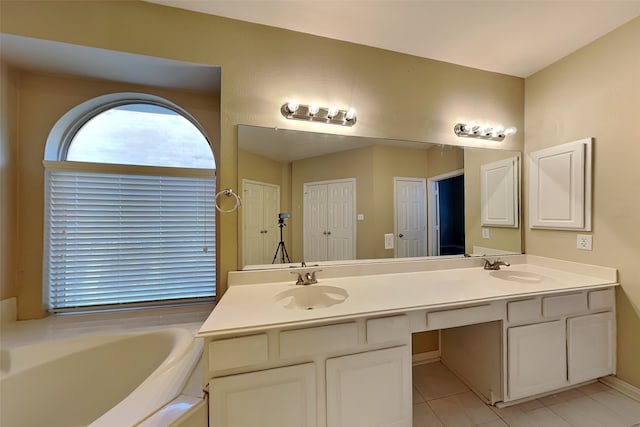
(322,197)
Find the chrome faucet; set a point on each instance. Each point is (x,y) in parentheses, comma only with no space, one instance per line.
(494,265)
(306,278)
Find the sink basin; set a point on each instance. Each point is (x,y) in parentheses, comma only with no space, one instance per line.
(518,276)
(311,297)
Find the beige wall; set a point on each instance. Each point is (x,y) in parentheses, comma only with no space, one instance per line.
(595,92)
(397,96)
(8,183)
(501,238)
(42,100)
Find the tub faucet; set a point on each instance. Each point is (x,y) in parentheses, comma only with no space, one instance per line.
(494,265)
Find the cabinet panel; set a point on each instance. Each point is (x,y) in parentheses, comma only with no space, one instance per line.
(563,305)
(463,316)
(322,339)
(236,352)
(524,311)
(282,397)
(386,329)
(604,299)
(370,389)
(590,346)
(536,358)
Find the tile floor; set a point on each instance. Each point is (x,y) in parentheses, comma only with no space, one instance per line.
(441,399)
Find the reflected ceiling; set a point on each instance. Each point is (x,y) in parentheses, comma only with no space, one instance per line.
(287,145)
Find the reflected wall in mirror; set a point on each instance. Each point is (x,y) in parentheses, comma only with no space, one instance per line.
(363,198)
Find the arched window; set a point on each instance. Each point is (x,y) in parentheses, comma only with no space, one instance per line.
(129,209)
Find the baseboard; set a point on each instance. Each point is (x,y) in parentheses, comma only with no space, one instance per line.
(8,310)
(623,387)
(426,357)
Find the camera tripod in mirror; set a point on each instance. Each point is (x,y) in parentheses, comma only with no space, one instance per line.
(284,255)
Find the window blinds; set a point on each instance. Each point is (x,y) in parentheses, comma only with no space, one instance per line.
(117,239)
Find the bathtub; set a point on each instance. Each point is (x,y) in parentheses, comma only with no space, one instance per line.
(114,380)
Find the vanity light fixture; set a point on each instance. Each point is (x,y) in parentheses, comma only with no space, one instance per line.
(314,113)
(473,130)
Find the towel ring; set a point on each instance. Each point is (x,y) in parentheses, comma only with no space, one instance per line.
(229,193)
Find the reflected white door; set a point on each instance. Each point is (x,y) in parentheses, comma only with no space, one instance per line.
(410,216)
(260,205)
(340,221)
(329,220)
(315,222)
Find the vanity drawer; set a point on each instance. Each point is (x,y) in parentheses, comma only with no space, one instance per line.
(564,305)
(323,339)
(237,352)
(386,329)
(524,311)
(603,299)
(463,316)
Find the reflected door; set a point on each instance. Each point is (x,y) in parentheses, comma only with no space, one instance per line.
(410,216)
(329,220)
(260,207)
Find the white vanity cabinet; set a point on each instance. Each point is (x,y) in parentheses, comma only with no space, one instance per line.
(566,339)
(349,374)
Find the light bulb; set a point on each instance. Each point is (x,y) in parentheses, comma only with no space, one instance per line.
(470,128)
(351,114)
(511,131)
(292,106)
(332,112)
(497,131)
(313,108)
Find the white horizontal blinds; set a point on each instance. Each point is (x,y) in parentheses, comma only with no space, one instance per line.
(126,238)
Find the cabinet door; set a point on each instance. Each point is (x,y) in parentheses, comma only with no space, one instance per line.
(591,347)
(281,397)
(536,358)
(370,389)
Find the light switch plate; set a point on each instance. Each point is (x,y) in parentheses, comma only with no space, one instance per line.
(585,242)
(485,233)
(388,241)
(360,217)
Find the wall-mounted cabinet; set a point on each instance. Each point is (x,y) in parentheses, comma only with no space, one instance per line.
(560,186)
(500,193)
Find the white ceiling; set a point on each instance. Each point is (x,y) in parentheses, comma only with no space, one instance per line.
(515,37)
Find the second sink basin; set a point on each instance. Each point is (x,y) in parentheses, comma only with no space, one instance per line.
(311,297)
(518,276)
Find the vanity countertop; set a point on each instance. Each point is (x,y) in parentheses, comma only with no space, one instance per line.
(253,307)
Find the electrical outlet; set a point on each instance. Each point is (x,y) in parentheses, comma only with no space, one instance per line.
(388,241)
(584,242)
(485,233)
